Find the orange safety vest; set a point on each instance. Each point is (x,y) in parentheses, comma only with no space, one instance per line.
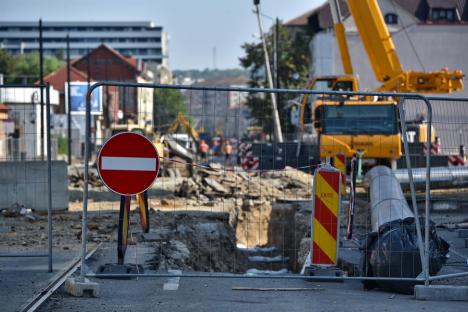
(228,149)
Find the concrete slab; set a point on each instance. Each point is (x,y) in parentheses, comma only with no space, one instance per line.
(112,268)
(77,288)
(331,272)
(441,293)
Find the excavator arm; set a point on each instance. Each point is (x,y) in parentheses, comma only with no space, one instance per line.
(182,121)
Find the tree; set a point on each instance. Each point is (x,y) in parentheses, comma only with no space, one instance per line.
(6,63)
(293,66)
(25,68)
(167,103)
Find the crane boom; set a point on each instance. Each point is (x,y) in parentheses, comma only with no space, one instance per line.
(384,58)
(376,39)
(341,37)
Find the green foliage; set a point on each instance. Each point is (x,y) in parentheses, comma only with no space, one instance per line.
(62,143)
(6,62)
(293,67)
(25,68)
(167,103)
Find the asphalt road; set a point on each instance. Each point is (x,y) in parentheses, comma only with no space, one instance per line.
(21,278)
(147,294)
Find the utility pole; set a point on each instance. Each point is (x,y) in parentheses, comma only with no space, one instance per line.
(69,101)
(41,74)
(275,58)
(277,53)
(276,121)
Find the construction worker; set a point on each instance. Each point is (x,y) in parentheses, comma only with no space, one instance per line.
(227,149)
(203,149)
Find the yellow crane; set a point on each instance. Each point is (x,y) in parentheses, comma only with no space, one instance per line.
(366,125)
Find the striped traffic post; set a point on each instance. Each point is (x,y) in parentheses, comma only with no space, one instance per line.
(325,216)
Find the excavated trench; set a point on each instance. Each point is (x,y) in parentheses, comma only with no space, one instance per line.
(271,233)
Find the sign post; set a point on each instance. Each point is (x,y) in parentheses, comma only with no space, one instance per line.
(128,164)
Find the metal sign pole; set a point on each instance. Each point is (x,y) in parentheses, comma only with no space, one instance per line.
(41,77)
(69,101)
(49,179)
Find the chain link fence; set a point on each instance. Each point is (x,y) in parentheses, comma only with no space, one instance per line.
(230,201)
(26,171)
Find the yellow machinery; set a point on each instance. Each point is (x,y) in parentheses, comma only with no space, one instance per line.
(365,125)
(135,128)
(182,121)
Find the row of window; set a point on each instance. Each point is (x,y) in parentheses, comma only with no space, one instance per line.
(50,52)
(68,29)
(80,40)
(437,14)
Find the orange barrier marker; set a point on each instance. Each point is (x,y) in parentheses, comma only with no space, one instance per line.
(325,222)
(122,237)
(142,200)
(339,162)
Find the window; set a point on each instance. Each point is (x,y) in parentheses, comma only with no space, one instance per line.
(359,119)
(439,14)
(391,19)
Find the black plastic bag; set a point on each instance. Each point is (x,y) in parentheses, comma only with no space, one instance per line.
(394,252)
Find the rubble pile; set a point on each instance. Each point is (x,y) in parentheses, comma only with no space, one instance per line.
(209,184)
(76,178)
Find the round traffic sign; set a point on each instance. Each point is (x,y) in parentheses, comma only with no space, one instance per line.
(128,163)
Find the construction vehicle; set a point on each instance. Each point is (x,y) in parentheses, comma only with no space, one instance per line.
(366,125)
(118,128)
(181,121)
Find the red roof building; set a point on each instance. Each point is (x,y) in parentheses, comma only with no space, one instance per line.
(103,64)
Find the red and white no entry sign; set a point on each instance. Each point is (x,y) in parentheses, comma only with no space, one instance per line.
(128,163)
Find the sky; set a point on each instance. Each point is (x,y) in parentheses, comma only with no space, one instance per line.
(195,28)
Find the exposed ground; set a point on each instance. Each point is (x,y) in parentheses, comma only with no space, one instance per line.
(213,222)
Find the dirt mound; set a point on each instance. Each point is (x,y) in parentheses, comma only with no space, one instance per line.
(197,241)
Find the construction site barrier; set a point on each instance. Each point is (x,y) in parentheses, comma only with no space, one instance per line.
(26,167)
(250,169)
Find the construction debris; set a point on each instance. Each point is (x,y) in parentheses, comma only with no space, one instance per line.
(214,182)
(76,178)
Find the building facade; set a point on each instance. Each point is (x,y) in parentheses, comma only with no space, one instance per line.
(142,40)
(220,113)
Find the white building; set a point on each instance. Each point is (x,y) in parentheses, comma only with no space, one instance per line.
(20,133)
(422,45)
(143,40)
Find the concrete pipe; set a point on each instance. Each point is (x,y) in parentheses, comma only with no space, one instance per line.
(391,248)
(386,197)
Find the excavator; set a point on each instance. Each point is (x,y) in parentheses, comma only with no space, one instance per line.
(363,125)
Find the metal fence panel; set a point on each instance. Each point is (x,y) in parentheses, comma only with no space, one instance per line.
(250,211)
(26,171)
